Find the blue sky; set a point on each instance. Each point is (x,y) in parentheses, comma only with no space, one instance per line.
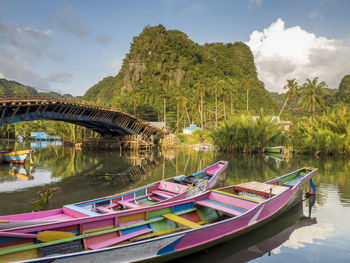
(68,46)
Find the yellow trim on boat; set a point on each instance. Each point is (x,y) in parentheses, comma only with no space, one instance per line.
(181,220)
(16,153)
(239,196)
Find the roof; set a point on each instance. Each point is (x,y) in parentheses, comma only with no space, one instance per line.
(192,127)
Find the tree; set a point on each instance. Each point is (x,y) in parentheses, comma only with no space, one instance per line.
(344,89)
(292,91)
(312,94)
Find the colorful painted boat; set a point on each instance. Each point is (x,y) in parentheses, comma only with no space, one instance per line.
(276,149)
(157,233)
(172,189)
(10,156)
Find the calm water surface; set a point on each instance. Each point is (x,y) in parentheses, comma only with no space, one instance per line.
(298,236)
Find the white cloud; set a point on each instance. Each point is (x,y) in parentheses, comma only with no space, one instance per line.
(284,53)
(20,48)
(15,67)
(25,39)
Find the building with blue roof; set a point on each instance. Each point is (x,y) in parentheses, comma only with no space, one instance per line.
(190,129)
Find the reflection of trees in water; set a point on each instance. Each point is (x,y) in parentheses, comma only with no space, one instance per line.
(332,172)
(140,164)
(65,162)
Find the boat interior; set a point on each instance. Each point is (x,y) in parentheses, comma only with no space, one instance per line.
(145,224)
(149,195)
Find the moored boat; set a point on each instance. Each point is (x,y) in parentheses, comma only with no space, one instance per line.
(160,232)
(10,156)
(276,149)
(172,189)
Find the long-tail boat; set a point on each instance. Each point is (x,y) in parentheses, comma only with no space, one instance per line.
(175,188)
(10,156)
(157,233)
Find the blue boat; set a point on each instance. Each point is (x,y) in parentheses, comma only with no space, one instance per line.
(10,156)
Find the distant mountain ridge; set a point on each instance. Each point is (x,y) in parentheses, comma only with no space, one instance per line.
(13,88)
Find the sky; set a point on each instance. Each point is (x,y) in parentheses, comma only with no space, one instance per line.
(67,46)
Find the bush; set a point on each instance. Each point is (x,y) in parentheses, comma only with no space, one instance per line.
(243,134)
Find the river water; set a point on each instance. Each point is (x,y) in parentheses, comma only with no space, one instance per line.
(317,234)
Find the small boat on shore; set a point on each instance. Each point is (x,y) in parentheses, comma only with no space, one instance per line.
(10,156)
(161,232)
(172,189)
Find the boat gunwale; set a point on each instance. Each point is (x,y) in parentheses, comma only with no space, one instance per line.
(154,207)
(111,197)
(184,232)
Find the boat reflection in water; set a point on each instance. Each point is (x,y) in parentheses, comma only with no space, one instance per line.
(19,171)
(257,243)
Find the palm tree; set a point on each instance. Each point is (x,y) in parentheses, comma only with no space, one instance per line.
(312,94)
(292,91)
(218,84)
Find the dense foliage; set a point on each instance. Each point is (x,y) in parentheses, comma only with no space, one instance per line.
(200,83)
(13,88)
(244,134)
(68,132)
(328,133)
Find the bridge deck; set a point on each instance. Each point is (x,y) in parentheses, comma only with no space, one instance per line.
(105,121)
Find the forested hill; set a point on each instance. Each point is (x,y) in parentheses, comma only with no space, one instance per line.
(13,88)
(199,82)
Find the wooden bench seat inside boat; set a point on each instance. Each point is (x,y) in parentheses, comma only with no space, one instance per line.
(227,209)
(261,188)
(163,193)
(76,211)
(104,209)
(239,196)
(128,204)
(156,198)
(119,239)
(181,220)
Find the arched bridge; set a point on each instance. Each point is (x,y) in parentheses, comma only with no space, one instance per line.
(102,120)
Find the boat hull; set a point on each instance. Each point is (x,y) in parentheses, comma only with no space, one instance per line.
(15,156)
(57,215)
(182,243)
(273,149)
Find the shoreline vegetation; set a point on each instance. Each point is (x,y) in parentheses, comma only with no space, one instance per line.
(167,77)
(322,134)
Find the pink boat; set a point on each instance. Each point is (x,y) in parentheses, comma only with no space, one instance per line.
(172,189)
(161,232)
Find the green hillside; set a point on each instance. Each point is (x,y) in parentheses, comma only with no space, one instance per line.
(13,88)
(199,83)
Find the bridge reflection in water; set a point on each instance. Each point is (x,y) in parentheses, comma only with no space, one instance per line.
(107,122)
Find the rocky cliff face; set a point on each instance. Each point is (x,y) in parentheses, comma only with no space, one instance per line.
(166,64)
